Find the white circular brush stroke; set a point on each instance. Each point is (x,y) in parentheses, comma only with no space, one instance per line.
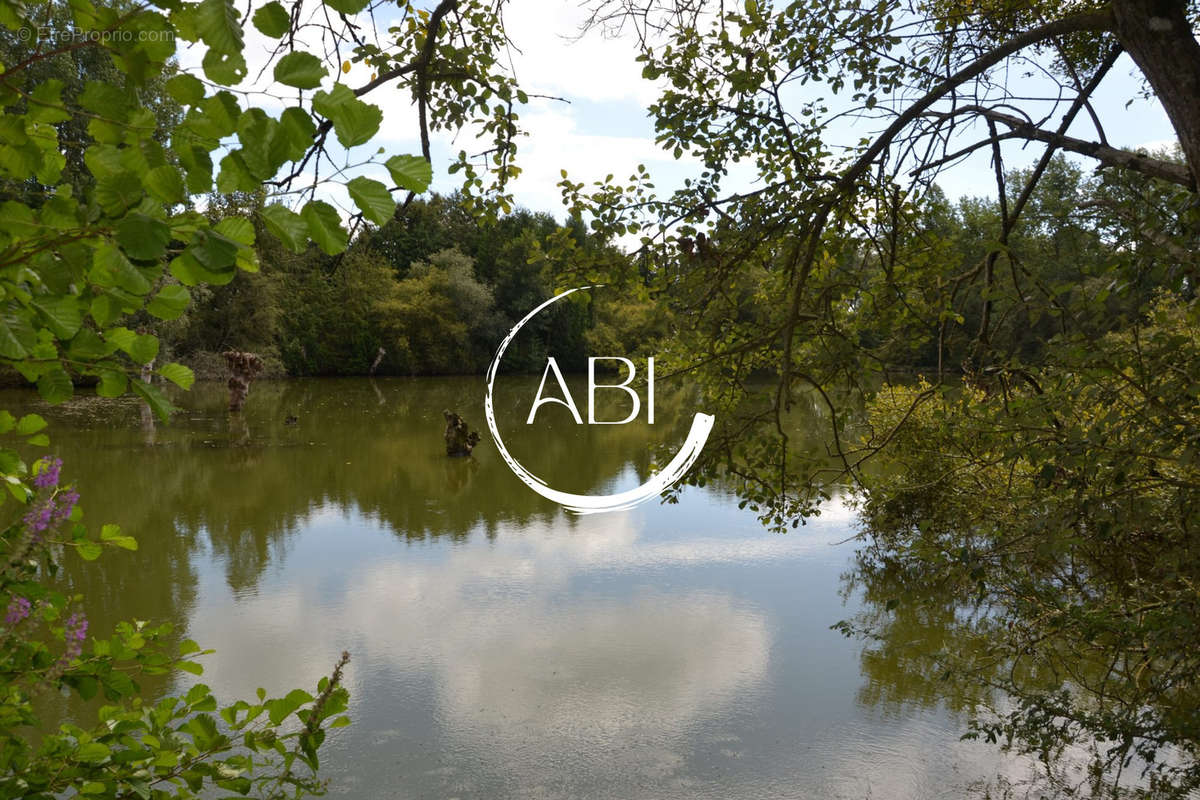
(586,503)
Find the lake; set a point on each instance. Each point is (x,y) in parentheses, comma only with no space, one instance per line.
(500,646)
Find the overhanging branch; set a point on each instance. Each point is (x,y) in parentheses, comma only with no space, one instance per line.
(1107,155)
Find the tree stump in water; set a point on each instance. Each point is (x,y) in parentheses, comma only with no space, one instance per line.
(243,368)
(460,439)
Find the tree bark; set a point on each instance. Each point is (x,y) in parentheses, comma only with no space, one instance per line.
(1159,39)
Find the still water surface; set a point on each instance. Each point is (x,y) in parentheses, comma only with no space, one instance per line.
(501,648)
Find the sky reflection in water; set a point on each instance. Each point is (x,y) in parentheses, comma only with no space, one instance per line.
(672,651)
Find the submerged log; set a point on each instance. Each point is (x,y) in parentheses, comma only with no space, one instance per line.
(460,439)
(243,369)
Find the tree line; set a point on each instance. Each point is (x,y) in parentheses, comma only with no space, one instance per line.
(430,292)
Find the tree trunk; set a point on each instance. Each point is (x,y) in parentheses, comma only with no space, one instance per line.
(378,358)
(148,427)
(1159,39)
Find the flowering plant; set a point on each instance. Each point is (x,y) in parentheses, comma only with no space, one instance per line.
(174,747)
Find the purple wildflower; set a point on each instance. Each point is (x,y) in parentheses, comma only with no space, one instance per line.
(18,609)
(75,633)
(47,475)
(55,509)
(39,517)
(66,504)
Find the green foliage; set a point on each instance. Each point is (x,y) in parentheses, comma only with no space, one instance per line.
(330,315)
(1065,509)
(440,317)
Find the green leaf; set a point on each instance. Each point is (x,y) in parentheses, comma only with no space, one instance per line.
(238,229)
(218,25)
(105,100)
(87,686)
(197,693)
(178,374)
(10,347)
(272,20)
(213,251)
(325,226)
(144,348)
(112,383)
(413,173)
(143,237)
(7,422)
(154,398)
(280,709)
(373,199)
(286,225)
(121,337)
(55,386)
(227,69)
(62,315)
(204,733)
(354,121)
(155,46)
(92,751)
(298,131)
(197,165)
(165,184)
(19,162)
(347,6)
(170,302)
(301,70)
(118,193)
(89,550)
(110,267)
(235,175)
(19,492)
(186,89)
(88,346)
(19,220)
(112,534)
(265,144)
(30,424)
(46,104)
(187,270)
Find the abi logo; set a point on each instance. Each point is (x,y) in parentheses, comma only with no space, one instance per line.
(569,402)
(584,503)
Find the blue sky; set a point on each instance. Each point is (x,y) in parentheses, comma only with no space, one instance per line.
(604,128)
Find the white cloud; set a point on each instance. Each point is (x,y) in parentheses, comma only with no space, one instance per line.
(556,142)
(507,646)
(1158,144)
(553,59)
